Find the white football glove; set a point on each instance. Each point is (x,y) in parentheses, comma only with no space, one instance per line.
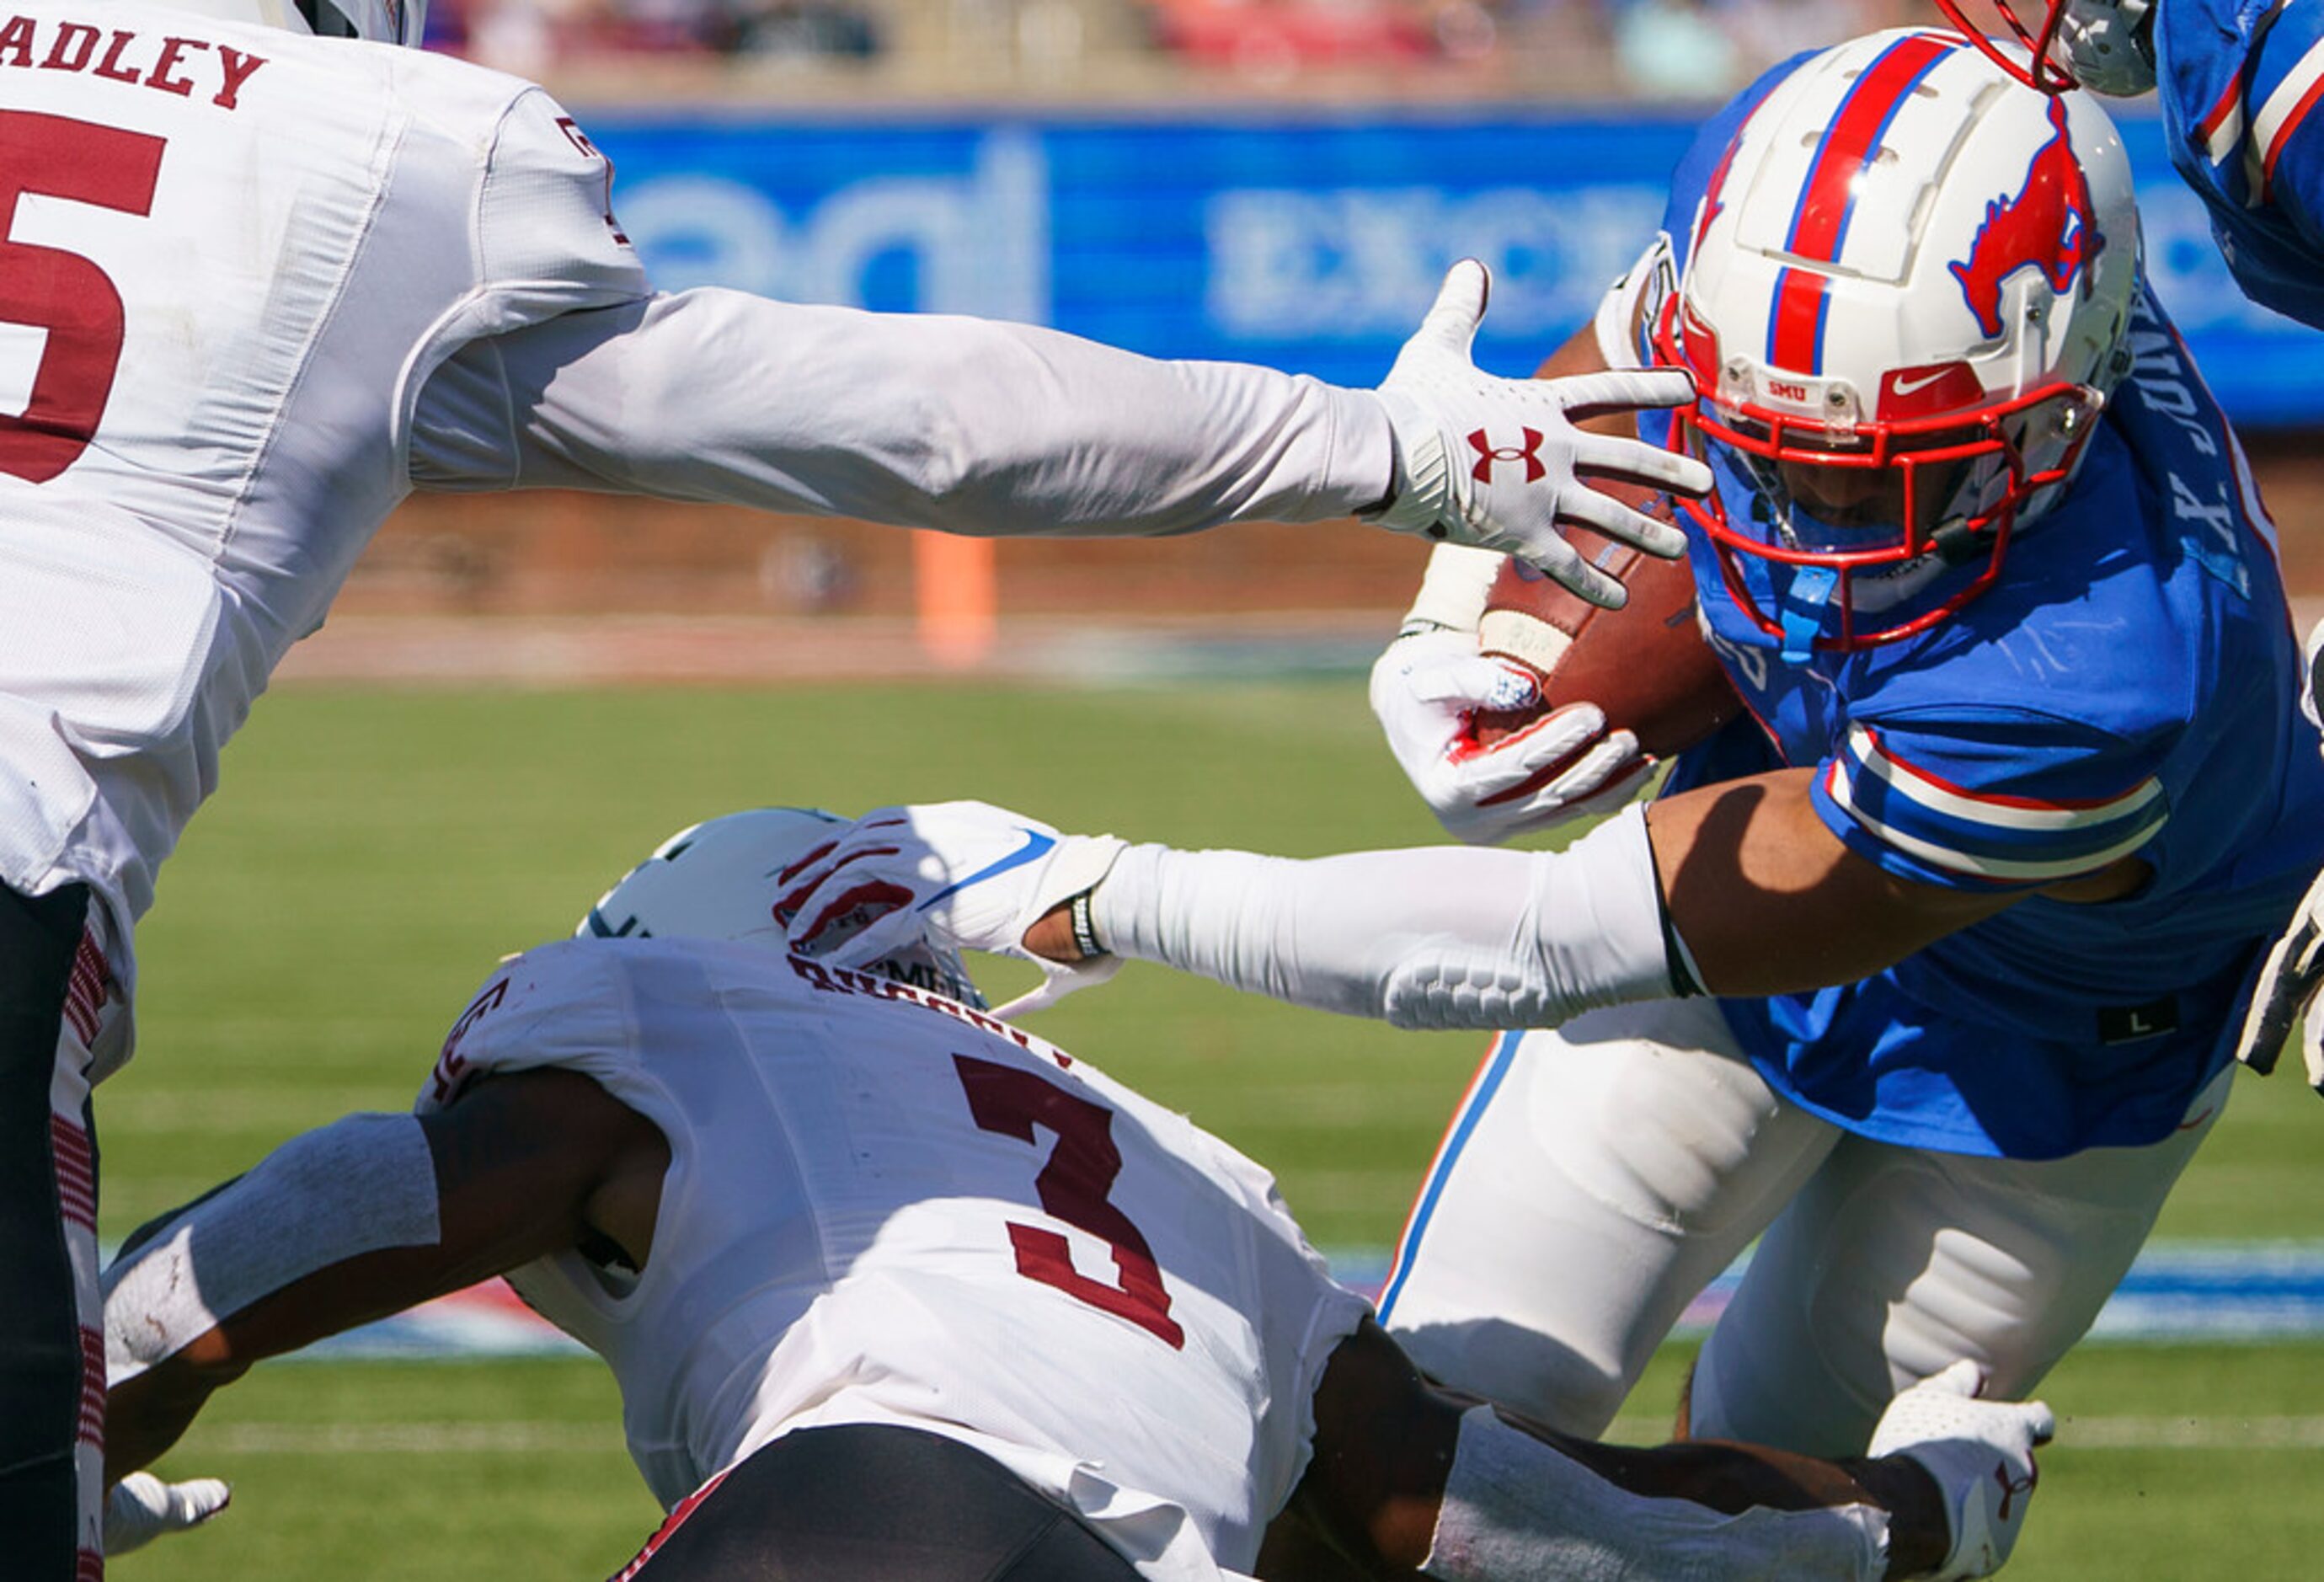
(966,874)
(1490,461)
(1427,688)
(2295,969)
(140,1508)
(1981,1454)
(2287,992)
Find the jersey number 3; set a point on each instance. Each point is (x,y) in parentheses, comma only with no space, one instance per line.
(62,294)
(1073,1186)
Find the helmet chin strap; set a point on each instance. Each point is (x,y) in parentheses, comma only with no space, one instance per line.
(1807,595)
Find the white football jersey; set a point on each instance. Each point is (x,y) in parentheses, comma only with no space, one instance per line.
(883,1206)
(229,257)
(256,286)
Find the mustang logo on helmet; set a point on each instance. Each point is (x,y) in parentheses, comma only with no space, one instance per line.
(2047,225)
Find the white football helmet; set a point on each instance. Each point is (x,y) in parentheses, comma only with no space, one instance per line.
(733,878)
(382,22)
(1904,307)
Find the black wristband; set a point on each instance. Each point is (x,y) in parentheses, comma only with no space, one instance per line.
(1086,940)
(1686,981)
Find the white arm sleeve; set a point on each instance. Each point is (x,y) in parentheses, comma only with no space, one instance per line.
(1517,1510)
(1433,937)
(968,425)
(360,1184)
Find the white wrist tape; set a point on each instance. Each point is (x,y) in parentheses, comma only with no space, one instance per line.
(356,1186)
(1435,938)
(1454,588)
(1618,326)
(1517,1510)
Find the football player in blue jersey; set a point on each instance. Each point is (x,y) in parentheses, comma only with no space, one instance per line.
(2240,81)
(1928,967)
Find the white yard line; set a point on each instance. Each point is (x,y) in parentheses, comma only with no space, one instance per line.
(273,1439)
(2114,1433)
(2193,1433)
(521,1438)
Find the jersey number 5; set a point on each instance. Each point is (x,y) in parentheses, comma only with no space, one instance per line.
(1073,1186)
(62,294)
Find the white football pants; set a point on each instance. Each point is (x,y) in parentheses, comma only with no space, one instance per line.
(1597,1176)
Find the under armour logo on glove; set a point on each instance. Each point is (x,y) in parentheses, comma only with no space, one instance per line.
(1981,1455)
(1444,413)
(2012,1488)
(1488,453)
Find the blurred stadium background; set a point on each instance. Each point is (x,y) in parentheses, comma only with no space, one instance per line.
(517,697)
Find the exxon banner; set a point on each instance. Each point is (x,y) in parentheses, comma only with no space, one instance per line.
(1312,243)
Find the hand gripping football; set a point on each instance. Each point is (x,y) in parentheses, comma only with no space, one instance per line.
(1646,664)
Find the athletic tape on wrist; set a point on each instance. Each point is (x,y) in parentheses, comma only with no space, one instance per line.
(358,1185)
(1517,1510)
(1454,588)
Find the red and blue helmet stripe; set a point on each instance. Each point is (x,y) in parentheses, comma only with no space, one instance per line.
(1827,200)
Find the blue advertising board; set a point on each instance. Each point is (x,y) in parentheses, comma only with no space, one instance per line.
(1311,242)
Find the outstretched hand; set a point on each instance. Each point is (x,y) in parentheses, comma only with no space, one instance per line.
(2287,993)
(1498,463)
(966,874)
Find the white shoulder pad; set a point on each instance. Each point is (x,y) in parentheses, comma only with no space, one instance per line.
(530,195)
(1624,332)
(561,1004)
(547,241)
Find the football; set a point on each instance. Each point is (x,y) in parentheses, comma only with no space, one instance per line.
(1646,664)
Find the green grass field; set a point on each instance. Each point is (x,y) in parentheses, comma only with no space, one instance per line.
(372,854)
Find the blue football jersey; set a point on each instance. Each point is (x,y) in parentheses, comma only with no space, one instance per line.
(2129,686)
(2239,81)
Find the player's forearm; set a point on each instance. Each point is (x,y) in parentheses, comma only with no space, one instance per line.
(967,425)
(201,1294)
(1413,1481)
(1429,938)
(338,1227)
(150,1413)
(1733,1478)
(1770,901)
(360,1219)
(150,1403)
(1522,1506)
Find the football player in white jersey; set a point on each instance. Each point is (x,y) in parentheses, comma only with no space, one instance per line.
(896,1290)
(256,285)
